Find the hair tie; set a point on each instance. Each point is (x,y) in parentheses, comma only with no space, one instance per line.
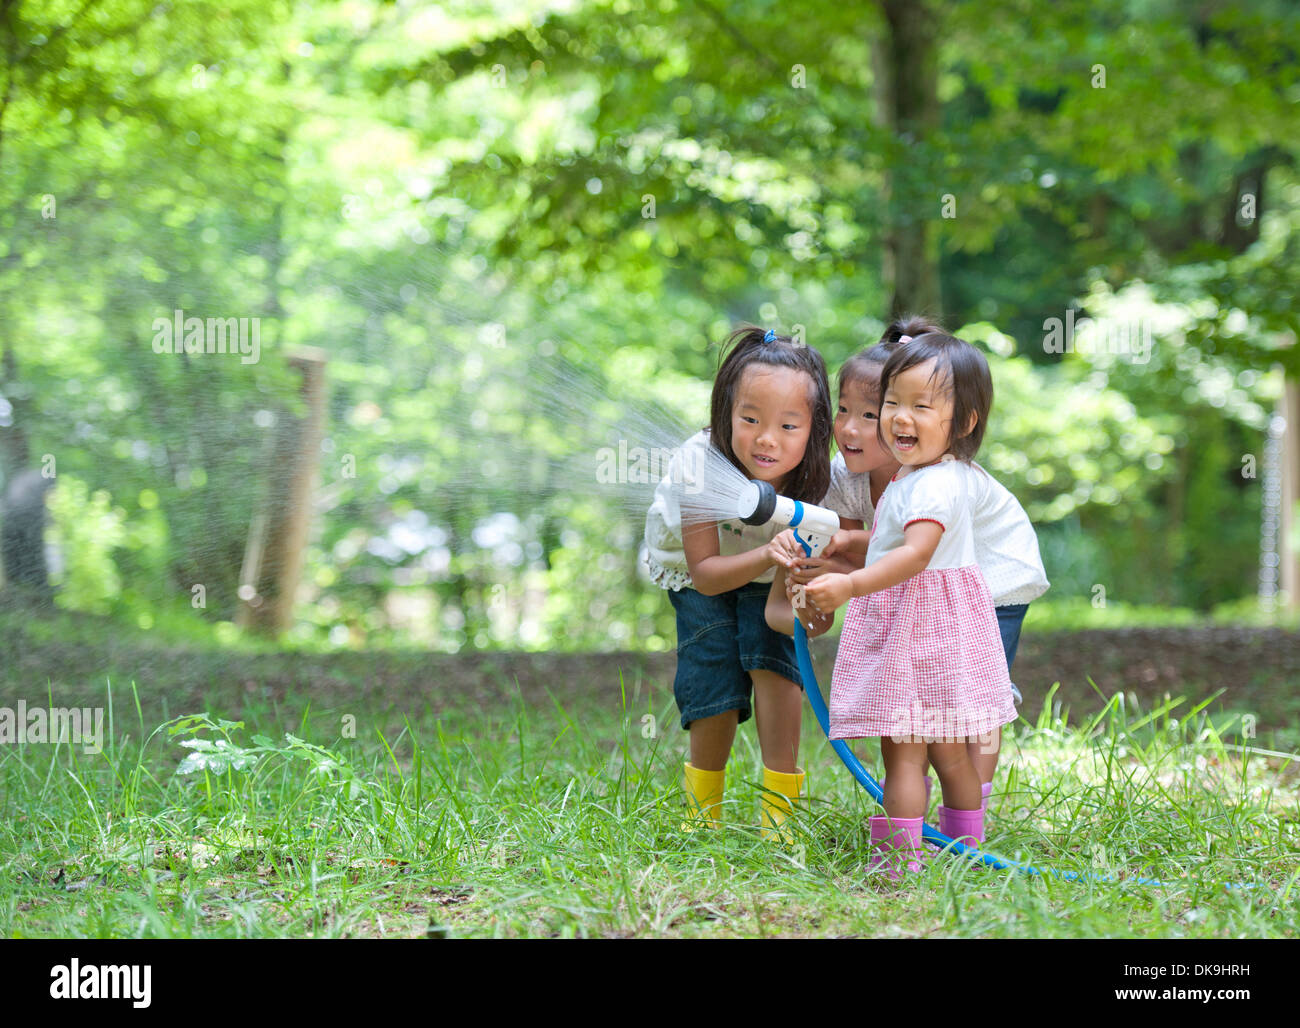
(904,339)
(770,336)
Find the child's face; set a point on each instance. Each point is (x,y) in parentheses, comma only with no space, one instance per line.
(771,421)
(856,422)
(916,416)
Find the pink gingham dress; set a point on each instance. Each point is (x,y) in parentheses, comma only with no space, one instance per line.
(923,659)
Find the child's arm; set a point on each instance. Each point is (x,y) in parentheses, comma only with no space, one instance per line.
(780,613)
(920,540)
(852,538)
(711,573)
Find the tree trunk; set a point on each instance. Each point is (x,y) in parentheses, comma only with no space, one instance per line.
(908,80)
(22,537)
(22,501)
(273,561)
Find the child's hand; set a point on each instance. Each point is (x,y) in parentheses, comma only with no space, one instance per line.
(828,592)
(839,541)
(814,622)
(783,550)
(813,567)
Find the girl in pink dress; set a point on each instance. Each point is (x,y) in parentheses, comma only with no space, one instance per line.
(920,662)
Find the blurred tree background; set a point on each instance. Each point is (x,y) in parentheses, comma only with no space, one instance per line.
(518,232)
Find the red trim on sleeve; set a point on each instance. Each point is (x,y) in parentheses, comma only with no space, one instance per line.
(935,520)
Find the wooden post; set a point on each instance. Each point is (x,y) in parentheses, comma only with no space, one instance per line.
(1290,461)
(268,580)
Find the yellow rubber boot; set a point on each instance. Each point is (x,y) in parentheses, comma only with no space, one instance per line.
(703,797)
(780,792)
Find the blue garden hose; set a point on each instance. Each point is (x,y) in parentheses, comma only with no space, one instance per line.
(930,834)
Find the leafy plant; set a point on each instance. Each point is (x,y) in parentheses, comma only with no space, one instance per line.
(223,756)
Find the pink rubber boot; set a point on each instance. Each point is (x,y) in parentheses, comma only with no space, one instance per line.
(898,844)
(964,826)
(929,783)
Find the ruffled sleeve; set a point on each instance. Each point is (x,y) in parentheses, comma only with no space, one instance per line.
(849,495)
(665,555)
(938,494)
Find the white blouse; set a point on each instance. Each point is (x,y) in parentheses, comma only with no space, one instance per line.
(665,557)
(850,494)
(1005,545)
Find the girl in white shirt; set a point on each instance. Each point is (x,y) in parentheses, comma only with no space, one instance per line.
(1006,547)
(771,420)
(920,665)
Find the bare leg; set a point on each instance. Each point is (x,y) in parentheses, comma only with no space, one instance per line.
(984,754)
(778,711)
(961,785)
(711,739)
(904,773)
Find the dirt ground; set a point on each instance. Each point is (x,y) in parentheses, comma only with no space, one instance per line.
(1258,669)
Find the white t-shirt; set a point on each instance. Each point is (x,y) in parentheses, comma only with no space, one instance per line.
(1006,547)
(939,492)
(849,495)
(665,557)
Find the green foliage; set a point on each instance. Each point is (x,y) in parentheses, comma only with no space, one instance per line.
(447,201)
(224,757)
(86,530)
(1081,613)
(504,821)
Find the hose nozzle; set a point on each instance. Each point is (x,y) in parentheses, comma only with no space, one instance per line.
(760,504)
(757,503)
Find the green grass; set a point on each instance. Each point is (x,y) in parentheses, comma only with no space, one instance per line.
(565,821)
(1077,613)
